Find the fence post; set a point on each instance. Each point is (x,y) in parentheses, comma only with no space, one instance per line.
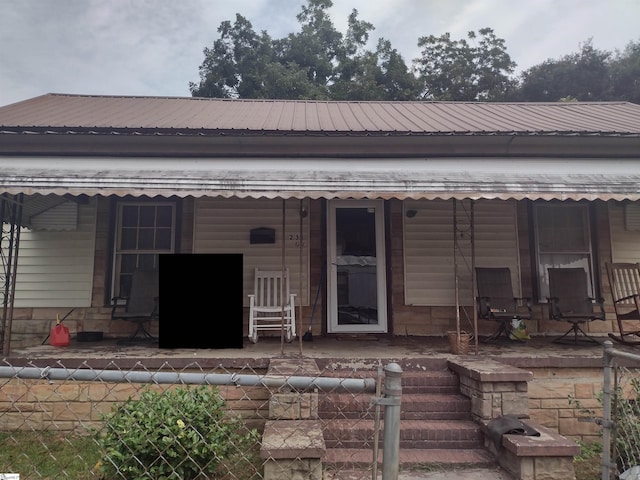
(391,441)
(606,411)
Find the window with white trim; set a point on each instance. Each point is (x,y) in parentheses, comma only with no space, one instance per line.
(563,240)
(143,231)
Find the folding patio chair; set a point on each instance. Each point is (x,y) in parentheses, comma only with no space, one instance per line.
(142,305)
(495,300)
(624,280)
(272,305)
(569,301)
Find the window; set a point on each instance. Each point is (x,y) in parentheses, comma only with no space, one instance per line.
(143,231)
(563,240)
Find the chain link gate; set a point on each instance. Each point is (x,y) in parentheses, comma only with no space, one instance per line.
(621,414)
(85,423)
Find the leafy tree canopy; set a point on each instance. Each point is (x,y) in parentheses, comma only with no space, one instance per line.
(477,69)
(319,62)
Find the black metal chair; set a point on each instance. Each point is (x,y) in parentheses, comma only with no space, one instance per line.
(495,300)
(569,301)
(142,305)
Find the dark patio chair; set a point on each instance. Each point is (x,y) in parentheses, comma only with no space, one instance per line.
(624,280)
(142,305)
(495,300)
(569,301)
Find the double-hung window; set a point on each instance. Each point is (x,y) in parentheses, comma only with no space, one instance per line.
(144,230)
(563,240)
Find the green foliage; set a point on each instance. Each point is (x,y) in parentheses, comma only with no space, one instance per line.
(182,433)
(320,63)
(589,450)
(477,69)
(583,76)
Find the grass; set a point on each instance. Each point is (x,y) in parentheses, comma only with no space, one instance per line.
(48,455)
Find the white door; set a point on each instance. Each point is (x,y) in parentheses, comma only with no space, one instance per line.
(356,269)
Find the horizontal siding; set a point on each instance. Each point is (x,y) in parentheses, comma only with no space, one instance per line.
(55,268)
(224,225)
(429,256)
(625,244)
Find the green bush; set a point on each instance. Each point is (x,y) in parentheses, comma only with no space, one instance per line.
(182,433)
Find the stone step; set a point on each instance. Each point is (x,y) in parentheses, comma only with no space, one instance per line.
(415,406)
(414,434)
(341,460)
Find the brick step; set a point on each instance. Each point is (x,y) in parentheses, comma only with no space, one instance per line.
(432,381)
(428,381)
(414,406)
(414,434)
(340,461)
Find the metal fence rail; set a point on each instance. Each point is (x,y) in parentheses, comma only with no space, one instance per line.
(86,423)
(621,414)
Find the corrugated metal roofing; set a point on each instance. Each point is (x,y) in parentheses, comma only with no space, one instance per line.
(197,115)
(122,169)
(402,178)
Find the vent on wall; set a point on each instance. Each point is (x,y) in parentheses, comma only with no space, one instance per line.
(62,217)
(632,216)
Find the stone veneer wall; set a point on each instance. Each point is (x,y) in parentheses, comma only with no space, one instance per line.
(549,404)
(75,406)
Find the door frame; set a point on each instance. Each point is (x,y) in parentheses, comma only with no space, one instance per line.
(381,272)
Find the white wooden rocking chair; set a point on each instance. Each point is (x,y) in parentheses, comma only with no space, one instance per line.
(272,306)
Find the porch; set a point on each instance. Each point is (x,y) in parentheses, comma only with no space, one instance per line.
(538,352)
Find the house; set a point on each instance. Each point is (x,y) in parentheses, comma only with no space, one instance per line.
(380,210)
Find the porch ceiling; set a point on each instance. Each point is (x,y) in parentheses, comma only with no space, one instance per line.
(402,178)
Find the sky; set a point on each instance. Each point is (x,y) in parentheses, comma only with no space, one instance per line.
(154,47)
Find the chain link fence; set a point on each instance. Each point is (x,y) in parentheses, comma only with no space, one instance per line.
(621,414)
(191,423)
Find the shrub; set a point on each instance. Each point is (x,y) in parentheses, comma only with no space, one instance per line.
(182,433)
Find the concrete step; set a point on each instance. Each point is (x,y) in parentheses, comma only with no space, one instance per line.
(414,434)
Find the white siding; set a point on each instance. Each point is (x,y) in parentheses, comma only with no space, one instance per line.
(429,263)
(223,226)
(625,244)
(55,268)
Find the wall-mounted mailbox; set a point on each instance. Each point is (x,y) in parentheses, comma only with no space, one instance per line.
(262,235)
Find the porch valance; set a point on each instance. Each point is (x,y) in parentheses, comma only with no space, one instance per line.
(401,178)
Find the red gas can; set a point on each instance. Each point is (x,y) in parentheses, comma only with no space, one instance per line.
(59,336)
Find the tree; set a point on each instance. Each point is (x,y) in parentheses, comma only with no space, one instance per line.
(625,74)
(233,67)
(583,76)
(318,62)
(474,70)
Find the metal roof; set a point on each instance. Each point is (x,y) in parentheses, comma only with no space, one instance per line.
(64,113)
(99,145)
